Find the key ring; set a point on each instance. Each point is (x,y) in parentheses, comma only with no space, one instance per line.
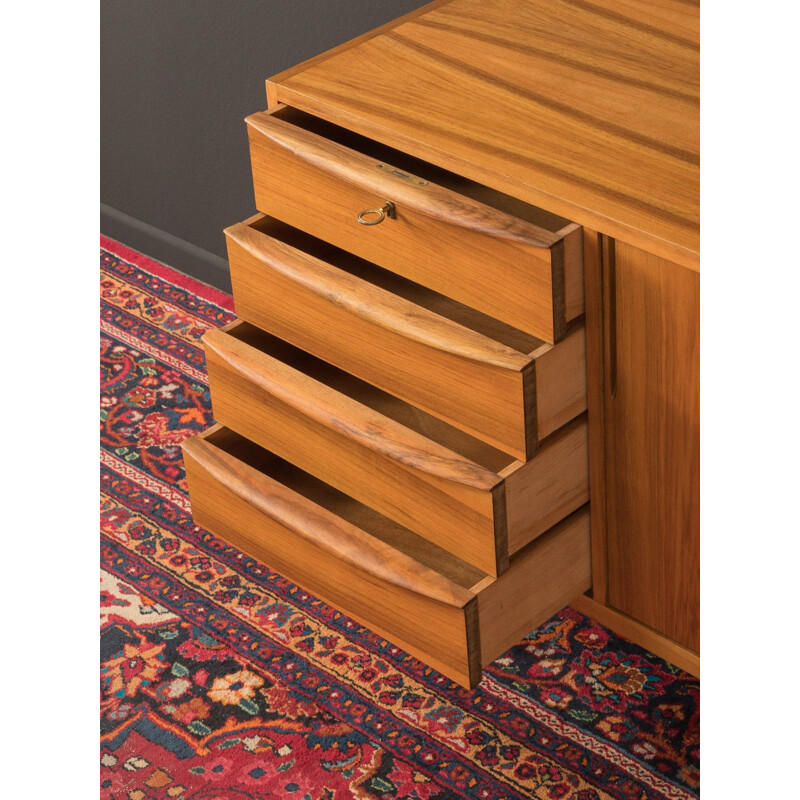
(387,210)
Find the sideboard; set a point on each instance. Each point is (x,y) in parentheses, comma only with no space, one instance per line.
(463,391)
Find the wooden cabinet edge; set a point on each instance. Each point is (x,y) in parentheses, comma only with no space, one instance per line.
(639,634)
(274,81)
(595,393)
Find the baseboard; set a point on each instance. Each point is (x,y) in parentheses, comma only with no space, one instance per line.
(651,640)
(162,246)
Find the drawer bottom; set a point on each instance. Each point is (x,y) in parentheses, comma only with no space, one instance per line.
(429,602)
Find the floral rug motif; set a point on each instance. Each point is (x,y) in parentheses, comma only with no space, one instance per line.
(222,680)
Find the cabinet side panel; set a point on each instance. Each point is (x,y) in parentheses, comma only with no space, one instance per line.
(652,407)
(544,577)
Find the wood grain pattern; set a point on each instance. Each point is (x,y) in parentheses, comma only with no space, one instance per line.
(429,200)
(496,383)
(555,481)
(416,595)
(371,555)
(555,566)
(271,97)
(265,513)
(595,394)
(526,120)
(319,185)
(560,381)
(283,405)
(645,637)
(574,298)
(590,109)
(424,474)
(652,413)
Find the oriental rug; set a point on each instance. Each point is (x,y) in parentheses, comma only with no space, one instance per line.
(222,680)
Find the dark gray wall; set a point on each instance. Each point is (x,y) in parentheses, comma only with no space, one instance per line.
(177,79)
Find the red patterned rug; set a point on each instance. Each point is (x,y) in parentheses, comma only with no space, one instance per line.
(222,680)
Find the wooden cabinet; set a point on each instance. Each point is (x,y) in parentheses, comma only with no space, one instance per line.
(653,444)
(645,418)
(473,281)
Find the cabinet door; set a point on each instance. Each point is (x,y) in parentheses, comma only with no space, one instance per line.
(652,444)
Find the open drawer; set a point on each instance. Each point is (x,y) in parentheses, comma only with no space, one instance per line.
(499,384)
(445,485)
(491,252)
(424,599)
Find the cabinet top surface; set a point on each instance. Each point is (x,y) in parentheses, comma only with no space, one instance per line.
(589,108)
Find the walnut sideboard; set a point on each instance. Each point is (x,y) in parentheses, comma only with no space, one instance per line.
(463,389)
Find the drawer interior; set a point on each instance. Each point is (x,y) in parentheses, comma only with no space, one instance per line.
(396,284)
(359,515)
(422,169)
(380,401)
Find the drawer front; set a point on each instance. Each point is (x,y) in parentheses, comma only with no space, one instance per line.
(503,386)
(431,478)
(490,260)
(425,600)
(400,598)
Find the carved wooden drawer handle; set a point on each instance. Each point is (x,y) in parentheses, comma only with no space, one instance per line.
(436,202)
